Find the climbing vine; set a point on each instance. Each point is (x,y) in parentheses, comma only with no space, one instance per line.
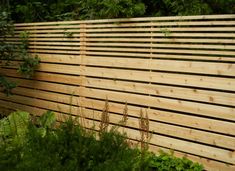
(11,53)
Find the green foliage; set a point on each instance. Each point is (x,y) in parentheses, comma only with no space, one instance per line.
(54,10)
(70,147)
(29,63)
(28,11)
(168,162)
(14,127)
(112,8)
(46,121)
(6,85)
(10,52)
(68,34)
(185,7)
(6,30)
(166,32)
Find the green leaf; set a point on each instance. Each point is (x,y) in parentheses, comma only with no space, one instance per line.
(47,120)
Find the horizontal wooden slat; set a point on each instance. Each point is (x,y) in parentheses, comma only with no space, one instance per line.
(151,89)
(191,121)
(139,24)
(169,40)
(165,78)
(220,69)
(153,77)
(71,59)
(143,29)
(154,55)
(157,50)
(163,103)
(63,49)
(225,35)
(162,65)
(55,57)
(52,77)
(134,45)
(108,39)
(160,90)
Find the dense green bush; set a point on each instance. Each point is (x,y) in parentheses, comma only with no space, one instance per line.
(41,146)
(43,10)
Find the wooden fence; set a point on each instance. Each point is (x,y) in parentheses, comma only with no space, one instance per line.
(180,70)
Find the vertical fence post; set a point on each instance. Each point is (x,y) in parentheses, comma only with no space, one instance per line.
(82,66)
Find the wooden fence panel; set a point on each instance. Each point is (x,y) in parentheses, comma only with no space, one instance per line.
(180,70)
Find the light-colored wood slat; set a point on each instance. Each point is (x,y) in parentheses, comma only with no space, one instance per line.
(154,77)
(209,164)
(63,59)
(136,50)
(201,123)
(53,51)
(122,54)
(223,69)
(133,45)
(157,45)
(169,40)
(179,105)
(157,77)
(70,44)
(171,29)
(51,35)
(160,90)
(197,17)
(194,148)
(48,39)
(157,50)
(139,24)
(202,109)
(162,65)
(48,57)
(51,77)
(225,35)
(143,29)
(164,116)
(108,39)
(135,35)
(148,89)
(172,56)
(74,59)
(78,48)
(163,103)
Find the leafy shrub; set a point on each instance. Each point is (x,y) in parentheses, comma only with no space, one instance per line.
(168,162)
(71,147)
